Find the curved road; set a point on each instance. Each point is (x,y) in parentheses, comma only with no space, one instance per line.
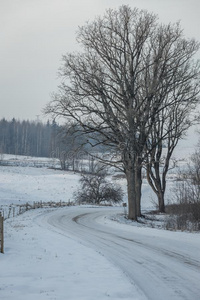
(163,265)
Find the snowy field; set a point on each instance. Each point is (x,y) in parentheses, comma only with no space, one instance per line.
(29,184)
(41,262)
(19,185)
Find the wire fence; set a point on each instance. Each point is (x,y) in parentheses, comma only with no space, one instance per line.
(14,210)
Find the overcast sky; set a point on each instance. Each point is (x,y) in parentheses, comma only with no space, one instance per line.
(34,34)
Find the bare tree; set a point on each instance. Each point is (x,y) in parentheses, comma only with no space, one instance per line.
(124,78)
(170,126)
(95,189)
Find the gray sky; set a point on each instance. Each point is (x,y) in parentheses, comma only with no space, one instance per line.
(35,34)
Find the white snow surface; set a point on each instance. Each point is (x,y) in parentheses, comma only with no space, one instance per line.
(80,253)
(29,184)
(42,263)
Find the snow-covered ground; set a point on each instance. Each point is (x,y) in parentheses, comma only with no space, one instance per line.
(19,185)
(77,253)
(41,264)
(44,262)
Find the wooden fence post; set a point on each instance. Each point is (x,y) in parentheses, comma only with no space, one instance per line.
(1,234)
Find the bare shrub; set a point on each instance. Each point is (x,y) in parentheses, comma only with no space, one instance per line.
(185,216)
(95,189)
(185,211)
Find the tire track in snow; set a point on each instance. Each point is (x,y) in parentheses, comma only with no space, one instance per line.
(159,271)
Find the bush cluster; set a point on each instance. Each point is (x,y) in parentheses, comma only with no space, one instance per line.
(96,189)
(185,211)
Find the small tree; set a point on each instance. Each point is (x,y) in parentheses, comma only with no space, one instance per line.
(170,127)
(95,189)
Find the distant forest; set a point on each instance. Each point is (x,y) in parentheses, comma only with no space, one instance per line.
(34,138)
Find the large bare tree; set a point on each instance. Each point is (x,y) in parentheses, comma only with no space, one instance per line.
(124,77)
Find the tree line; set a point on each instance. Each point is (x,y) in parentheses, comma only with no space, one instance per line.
(33,138)
(38,139)
(25,137)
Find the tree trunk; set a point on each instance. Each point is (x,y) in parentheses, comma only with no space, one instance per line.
(161,201)
(160,184)
(132,209)
(138,188)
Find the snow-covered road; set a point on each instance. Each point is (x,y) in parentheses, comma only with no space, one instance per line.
(163,265)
